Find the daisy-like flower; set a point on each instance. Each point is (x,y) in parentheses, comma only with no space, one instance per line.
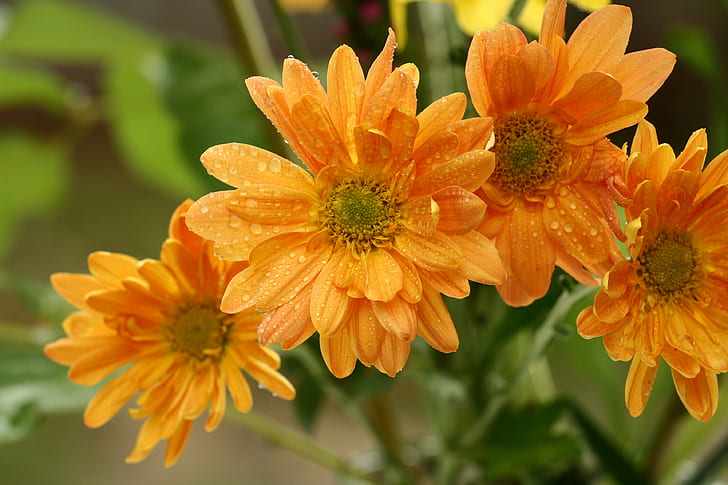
(159,323)
(360,248)
(553,103)
(670,298)
(475,15)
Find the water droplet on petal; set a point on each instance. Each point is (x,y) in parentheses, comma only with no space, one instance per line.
(256,228)
(554,225)
(275,165)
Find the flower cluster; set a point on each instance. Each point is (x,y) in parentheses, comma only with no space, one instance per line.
(391,208)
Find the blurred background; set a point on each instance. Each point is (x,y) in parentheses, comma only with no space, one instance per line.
(105,107)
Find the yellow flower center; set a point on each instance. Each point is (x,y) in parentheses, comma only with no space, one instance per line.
(527,154)
(668,266)
(361,215)
(200,331)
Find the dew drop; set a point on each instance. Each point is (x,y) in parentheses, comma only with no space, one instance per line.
(572,206)
(568,227)
(554,225)
(256,228)
(251,203)
(593,231)
(235,221)
(261,166)
(275,165)
(204,209)
(302,258)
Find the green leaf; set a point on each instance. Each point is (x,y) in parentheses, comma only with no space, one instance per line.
(206,94)
(32,386)
(33,177)
(27,86)
(144,128)
(696,48)
(69,31)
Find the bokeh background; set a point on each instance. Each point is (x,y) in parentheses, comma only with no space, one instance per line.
(105,106)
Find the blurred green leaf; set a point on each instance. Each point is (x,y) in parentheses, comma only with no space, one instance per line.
(68,31)
(32,386)
(20,86)
(33,177)
(524,439)
(144,128)
(206,94)
(696,48)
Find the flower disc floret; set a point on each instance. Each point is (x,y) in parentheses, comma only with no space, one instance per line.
(528,155)
(361,215)
(667,267)
(200,331)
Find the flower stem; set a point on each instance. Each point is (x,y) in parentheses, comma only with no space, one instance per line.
(297,443)
(293,39)
(252,49)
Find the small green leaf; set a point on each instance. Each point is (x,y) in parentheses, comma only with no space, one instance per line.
(26,86)
(33,177)
(206,94)
(32,386)
(144,128)
(69,31)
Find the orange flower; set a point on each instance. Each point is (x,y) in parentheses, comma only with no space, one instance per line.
(669,299)
(553,103)
(361,250)
(162,319)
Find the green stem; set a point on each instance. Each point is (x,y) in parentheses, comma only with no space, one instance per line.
(290,34)
(252,48)
(662,438)
(297,443)
(541,341)
(436,49)
(18,333)
(713,465)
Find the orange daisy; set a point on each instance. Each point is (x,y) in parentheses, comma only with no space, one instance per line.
(162,320)
(669,298)
(360,248)
(553,102)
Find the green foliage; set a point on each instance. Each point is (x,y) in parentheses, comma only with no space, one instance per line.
(32,386)
(33,178)
(31,86)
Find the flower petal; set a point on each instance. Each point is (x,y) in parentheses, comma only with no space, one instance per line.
(435,324)
(437,116)
(699,395)
(393,355)
(609,119)
(330,304)
(435,253)
(421,215)
(316,130)
(366,332)
(638,387)
(286,321)
(337,353)
(642,73)
(591,92)
(345,85)
(468,171)
(481,261)
(511,85)
(383,275)
(397,317)
(460,211)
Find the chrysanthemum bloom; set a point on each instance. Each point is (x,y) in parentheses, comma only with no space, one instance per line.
(553,103)
(361,248)
(474,15)
(670,298)
(162,320)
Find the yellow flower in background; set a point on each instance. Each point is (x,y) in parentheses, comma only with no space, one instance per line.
(669,300)
(475,15)
(553,102)
(297,6)
(359,248)
(162,320)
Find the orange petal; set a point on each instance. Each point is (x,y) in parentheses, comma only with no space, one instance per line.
(437,116)
(435,324)
(97,363)
(393,355)
(450,283)
(642,73)
(299,81)
(468,171)
(383,275)
(476,73)
(472,133)
(380,68)
(330,304)
(481,261)
(176,443)
(681,362)
(108,401)
(113,302)
(638,387)
(75,287)
(411,282)
(599,40)
(398,91)
(439,148)
(460,211)
(162,282)
(609,119)
(610,311)
(366,332)
(591,92)
(239,165)
(373,150)
(434,253)
(397,317)
(112,268)
(270,205)
(337,353)
(270,379)
(540,64)
(345,85)
(421,215)
(270,98)
(317,133)
(238,387)
(552,23)
(699,395)
(401,130)
(511,85)
(286,321)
